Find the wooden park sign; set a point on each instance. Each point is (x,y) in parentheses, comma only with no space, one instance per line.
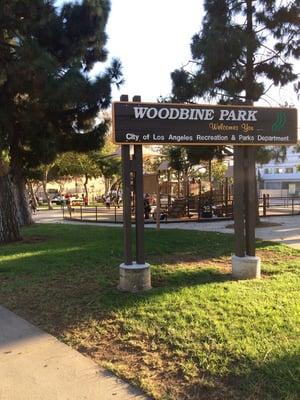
(136,123)
(165,123)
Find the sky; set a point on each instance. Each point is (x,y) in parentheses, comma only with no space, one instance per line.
(152,38)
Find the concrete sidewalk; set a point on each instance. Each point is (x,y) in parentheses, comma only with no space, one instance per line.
(36,366)
(285,230)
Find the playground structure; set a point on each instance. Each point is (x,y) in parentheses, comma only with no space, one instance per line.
(182,200)
(187,198)
(268,207)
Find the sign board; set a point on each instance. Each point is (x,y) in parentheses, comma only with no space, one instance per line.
(193,124)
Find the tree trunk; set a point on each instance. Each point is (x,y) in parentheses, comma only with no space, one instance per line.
(257,216)
(178,184)
(185,184)
(18,183)
(21,200)
(106,184)
(9,227)
(118,187)
(45,178)
(85,185)
(250,80)
(32,194)
(210,181)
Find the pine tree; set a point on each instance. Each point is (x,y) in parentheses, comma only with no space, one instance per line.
(243,49)
(48,103)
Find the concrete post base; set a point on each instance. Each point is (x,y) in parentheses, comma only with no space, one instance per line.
(134,278)
(247,267)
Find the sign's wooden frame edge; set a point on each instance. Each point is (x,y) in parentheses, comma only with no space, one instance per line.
(201,105)
(198,144)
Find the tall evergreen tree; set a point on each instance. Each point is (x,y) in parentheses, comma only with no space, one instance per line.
(244,47)
(48,103)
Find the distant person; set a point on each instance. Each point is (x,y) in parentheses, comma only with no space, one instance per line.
(32,206)
(107,201)
(147,207)
(118,200)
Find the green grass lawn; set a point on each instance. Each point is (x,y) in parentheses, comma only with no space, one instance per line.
(197,334)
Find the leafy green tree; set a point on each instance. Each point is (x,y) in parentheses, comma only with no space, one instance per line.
(198,154)
(108,161)
(178,161)
(268,153)
(48,102)
(109,167)
(73,164)
(216,171)
(34,178)
(183,158)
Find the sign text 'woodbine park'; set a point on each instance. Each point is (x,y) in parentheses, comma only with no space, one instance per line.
(158,123)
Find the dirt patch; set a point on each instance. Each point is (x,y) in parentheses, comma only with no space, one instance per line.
(273,256)
(33,239)
(220,268)
(26,240)
(148,355)
(188,260)
(194,261)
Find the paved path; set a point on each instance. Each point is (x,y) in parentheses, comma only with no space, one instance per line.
(36,366)
(284,230)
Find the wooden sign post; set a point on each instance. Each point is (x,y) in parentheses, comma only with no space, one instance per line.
(136,123)
(245,264)
(134,275)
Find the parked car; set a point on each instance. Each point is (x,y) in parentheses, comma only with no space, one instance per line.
(58,200)
(76,201)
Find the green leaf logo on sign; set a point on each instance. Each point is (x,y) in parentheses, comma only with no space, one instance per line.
(280,122)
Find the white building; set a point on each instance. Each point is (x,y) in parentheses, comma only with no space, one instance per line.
(281,179)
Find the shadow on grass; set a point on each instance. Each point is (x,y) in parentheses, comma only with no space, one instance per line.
(57,283)
(78,267)
(186,278)
(70,279)
(272,380)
